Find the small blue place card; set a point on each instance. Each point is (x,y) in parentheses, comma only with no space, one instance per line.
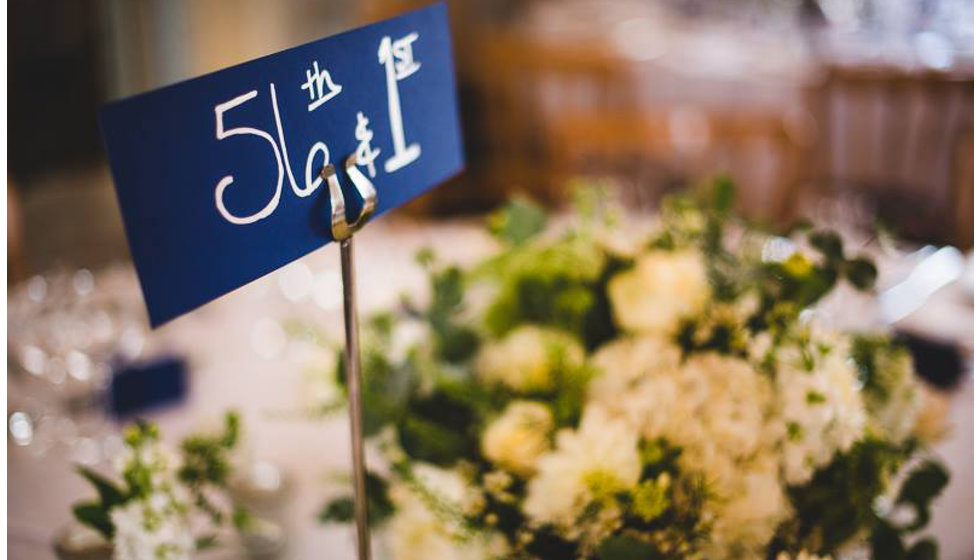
(219,177)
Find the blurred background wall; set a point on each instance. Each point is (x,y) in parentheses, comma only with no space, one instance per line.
(844,109)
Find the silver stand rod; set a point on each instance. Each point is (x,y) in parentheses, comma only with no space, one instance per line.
(352,364)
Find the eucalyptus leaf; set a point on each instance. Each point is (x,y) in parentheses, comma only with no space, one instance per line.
(886,544)
(829,243)
(921,487)
(861,273)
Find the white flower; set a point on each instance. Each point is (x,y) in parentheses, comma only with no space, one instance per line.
(821,406)
(417,533)
(161,460)
(155,528)
(718,409)
(639,381)
(601,455)
(516,438)
(406,335)
(893,407)
(659,290)
(747,517)
(528,357)
(625,361)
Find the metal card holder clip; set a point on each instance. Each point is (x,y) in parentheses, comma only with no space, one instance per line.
(339,226)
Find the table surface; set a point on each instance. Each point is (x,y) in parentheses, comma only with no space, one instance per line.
(238,361)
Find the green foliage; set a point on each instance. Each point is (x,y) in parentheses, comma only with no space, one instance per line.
(925,549)
(829,243)
(96,516)
(380,506)
(886,544)
(547,543)
(110,494)
(861,272)
(627,548)
(551,285)
(205,466)
(838,502)
(518,221)
(454,342)
(437,430)
(206,463)
(922,486)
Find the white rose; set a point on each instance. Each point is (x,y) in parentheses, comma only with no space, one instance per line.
(659,290)
(528,357)
(518,437)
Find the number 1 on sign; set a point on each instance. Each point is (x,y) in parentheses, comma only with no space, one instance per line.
(387,52)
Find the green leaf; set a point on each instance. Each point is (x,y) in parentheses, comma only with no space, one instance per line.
(425,440)
(380,506)
(241,518)
(627,548)
(829,243)
(861,273)
(886,544)
(922,486)
(339,510)
(425,257)
(925,549)
(723,194)
(109,493)
(96,516)
(205,542)
(518,221)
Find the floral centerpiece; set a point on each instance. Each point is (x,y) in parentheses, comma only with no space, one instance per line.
(597,395)
(164,505)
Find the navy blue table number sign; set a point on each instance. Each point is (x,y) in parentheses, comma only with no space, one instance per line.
(218,177)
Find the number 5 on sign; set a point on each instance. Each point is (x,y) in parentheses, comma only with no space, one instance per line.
(210,172)
(399,64)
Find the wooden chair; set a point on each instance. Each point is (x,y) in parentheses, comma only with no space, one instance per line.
(892,136)
(657,149)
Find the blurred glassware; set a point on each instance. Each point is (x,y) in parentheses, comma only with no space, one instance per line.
(65,329)
(261,487)
(936,34)
(78,542)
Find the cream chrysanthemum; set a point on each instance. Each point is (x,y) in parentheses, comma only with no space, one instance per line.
(822,408)
(600,457)
(639,381)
